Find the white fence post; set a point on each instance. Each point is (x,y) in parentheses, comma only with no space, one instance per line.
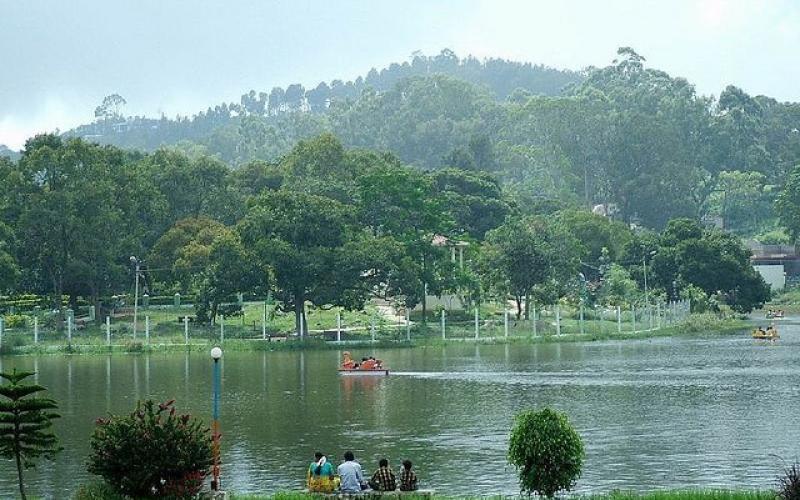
(35,329)
(372,327)
(108,330)
(221,329)
(633,317)
(338,326)
(619,319)
(477,325)
(505,323)
(408,323)
(147,329)
(581,317)
(558,320)
(69,329)
(534,320)
(443,325)
(264,324)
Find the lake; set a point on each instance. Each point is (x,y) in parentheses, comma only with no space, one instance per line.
(719,411)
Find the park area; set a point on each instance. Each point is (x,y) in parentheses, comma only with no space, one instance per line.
(175,324)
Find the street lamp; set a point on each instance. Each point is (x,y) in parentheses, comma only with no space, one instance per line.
(137,264)
(216,354)
(644,266)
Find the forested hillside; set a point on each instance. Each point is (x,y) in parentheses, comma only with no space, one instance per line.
(497,78)
(634,138)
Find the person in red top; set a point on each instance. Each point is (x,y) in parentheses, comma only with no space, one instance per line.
(347,361)
(368,364)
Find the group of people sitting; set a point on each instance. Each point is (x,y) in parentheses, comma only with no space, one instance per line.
(369,363)
(349,478)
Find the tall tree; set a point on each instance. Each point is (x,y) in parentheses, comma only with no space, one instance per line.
(527,254)
(111,107)
(310,249)
(25,424)
(788,204)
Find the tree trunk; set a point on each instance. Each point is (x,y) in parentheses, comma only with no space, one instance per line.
(527,306)
(299,313)
(19,463)
(518,300)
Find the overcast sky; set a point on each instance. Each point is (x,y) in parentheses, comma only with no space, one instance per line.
(59,58)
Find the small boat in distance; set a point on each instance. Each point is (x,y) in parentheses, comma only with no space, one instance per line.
(368,366)
(774,314)
(770,333)
(357,372)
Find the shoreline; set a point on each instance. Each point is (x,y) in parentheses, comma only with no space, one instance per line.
(698,325)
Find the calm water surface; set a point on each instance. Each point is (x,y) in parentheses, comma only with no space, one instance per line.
(659,413)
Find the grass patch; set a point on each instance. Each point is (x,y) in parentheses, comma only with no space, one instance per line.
(615,495)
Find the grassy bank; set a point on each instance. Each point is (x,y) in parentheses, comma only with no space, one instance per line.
(421,336)
(617,495)
(98,491)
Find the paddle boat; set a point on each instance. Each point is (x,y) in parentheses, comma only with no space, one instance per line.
(774,314)
(358,372)
(770,333)
(369,367)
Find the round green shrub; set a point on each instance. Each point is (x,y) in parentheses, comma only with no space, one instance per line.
(546,451)
(153,452)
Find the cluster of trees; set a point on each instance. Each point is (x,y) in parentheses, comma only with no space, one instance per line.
(627,136)
(325,225)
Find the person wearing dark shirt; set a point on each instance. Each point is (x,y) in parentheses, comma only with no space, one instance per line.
(408,480)
(383,479)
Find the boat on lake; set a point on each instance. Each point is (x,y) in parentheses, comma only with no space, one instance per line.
(369,367)
(770,314)
(358,372)
(770,333)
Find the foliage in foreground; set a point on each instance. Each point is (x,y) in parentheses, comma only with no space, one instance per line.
(547,452)
(789,483)
(25,424)
(153,452)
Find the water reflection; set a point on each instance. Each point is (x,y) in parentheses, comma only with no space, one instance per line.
(655,413)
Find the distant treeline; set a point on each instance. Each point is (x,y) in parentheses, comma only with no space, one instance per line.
(633,139)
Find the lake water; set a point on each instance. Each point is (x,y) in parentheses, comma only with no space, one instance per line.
(658,413)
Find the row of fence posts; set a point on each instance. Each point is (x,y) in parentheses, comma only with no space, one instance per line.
(665,314)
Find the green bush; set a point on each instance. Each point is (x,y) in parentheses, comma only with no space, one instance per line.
(17,321)
(153,452)
(546,451)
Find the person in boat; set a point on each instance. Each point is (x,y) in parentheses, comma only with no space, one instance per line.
(368,364)
(319,478)
(347,361)
(352,478)
(383,479)
(408,480)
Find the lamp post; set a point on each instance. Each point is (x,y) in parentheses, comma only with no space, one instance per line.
(644,267)
(136,263)
(216,354)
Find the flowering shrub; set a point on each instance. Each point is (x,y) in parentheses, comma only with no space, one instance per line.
(153,452)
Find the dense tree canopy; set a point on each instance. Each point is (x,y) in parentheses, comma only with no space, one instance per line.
(348,190)
(634,139)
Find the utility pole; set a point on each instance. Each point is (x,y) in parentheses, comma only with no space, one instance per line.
(137,263)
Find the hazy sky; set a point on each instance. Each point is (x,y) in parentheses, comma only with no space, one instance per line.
(59,58)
